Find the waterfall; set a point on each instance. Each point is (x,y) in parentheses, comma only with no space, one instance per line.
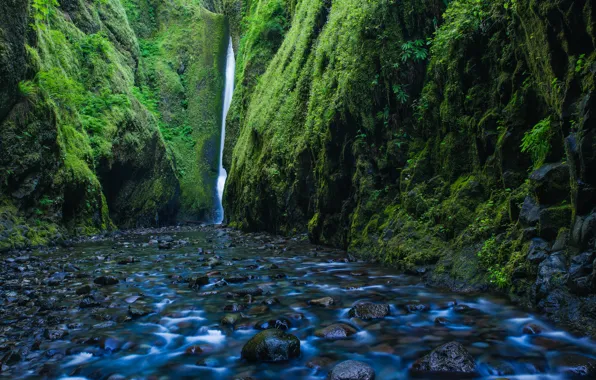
(229,91)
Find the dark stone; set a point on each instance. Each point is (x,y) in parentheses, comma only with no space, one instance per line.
(530,212)
(450,357)
(552,273)
(532,329)
(85,289)
(54,334)
(582,276)
(575,365)
(538,251)
(336,331)
(199,281)
(236,279)
(138,312)
(552,220)
(229,320)
(106,280)
(352,370)
(551,183)
(369,311)
(254,291)
(271,346)
(415,308)
(562,241)
(279,323)
(587,236)
(88,302)
(234,308)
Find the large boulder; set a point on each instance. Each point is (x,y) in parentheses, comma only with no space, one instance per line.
(271,346)
(369,311)
(582,276)
(450,357)
(552,219)
(538,251)
(551,183)
(529,213)
(352,370)
(552,273)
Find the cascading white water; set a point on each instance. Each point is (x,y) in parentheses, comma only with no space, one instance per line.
(229,91)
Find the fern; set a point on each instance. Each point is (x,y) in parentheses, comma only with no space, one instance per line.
(536,142)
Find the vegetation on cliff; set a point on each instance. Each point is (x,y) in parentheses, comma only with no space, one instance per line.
(450,138)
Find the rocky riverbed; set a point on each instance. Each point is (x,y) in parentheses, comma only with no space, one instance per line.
(214,303)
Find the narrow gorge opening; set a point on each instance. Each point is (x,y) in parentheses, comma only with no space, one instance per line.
(227,101)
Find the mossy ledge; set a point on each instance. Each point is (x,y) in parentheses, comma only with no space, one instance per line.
(451,139)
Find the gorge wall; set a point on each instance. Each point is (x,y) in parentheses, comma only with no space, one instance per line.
(451,139)
(110,113)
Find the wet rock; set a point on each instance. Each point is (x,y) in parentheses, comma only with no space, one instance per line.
(165,245)
(193,350)
(88,302)
(236,279)
(538,251)
(575,365)
(271,301)
(235,307)
(271,346)
(532,329)
(582,275)
(138,312)
(551,183)
(323,302)
(229,320)
(106,280)
(12,357)
(552,219)
(199,281)
(336,331)
(253,291)
(552,273)
(352,370)
(85,289)
(54,334)
(529,213)
(450,357)
(415,308)
(441,321)
(369,311)
(279,323)
(320,362)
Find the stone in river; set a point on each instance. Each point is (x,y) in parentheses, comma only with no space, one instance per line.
(532,329)
(88,302)
(352,370)
(279,323)
(271,346)
(369,311)
(106,280)
(325,302)
(54,334)
(336,331)
(85,289)
(229,320)
(451,357)
(576,365)
(235,307)
(138,312)
(236,279)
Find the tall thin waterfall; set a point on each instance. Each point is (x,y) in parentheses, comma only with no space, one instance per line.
(229,91)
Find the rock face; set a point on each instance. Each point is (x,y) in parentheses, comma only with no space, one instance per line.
(438,173)
(369,311)
(271,346)
(352,370)
(450,357)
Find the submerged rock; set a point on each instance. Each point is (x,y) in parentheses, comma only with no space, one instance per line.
(450,357)
(352,370)
(369,311)
(324,302)
(271,346)
(106,280)
(336,331)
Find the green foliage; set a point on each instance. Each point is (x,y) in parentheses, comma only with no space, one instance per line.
(580,63)
(536,142)
(27,89)
(489,258)
(42,11)
(414,50)
(461,19)
(400,94)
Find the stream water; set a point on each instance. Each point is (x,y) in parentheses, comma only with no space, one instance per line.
(64,316)
(227,102)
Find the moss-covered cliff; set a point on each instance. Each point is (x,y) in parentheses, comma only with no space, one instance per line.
(110,114)
(447,138)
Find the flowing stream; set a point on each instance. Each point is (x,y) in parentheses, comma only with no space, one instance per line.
(228,93)
(126,308)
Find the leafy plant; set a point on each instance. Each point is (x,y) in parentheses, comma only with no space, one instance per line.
(579,65)
(27,89)
(536,142)
(400,94)
(414,50)
(42,10)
